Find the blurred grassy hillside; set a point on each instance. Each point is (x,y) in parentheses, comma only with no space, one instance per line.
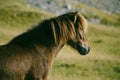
(97,14)
(102,63)
(15,18)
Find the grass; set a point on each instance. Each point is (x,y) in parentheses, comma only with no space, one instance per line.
(102,63)
(15,18)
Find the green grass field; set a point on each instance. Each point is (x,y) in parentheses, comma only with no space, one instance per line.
(103,61)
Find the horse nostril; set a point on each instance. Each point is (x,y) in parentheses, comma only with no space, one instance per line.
(86,48)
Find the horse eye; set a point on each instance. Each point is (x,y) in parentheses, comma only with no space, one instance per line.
(81,36)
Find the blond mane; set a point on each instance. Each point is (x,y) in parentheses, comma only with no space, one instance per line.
(64,26)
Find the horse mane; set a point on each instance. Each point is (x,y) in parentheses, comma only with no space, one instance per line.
(61,29)
(64,26)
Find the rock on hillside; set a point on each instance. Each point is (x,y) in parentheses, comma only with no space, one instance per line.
(61,6)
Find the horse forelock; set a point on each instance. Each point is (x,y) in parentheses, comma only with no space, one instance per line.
(63,26)
(63,29)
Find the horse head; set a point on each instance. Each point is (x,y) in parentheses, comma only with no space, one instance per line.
(70,28)
(79,41)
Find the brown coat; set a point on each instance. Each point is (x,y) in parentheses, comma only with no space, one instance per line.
(30,55)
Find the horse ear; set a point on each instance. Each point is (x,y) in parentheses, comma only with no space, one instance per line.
(76,12)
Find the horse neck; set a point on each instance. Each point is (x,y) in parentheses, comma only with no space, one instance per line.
(48,53)
(49,50)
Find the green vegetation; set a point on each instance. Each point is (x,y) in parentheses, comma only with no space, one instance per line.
(16,17)
(102,63)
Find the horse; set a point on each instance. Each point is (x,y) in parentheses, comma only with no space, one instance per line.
(30,55)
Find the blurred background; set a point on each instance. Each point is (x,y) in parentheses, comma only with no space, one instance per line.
(61,6)
(103,16)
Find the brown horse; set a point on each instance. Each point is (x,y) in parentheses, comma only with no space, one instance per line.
(30,55)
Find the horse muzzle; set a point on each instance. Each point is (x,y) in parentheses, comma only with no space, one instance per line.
(84,50)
